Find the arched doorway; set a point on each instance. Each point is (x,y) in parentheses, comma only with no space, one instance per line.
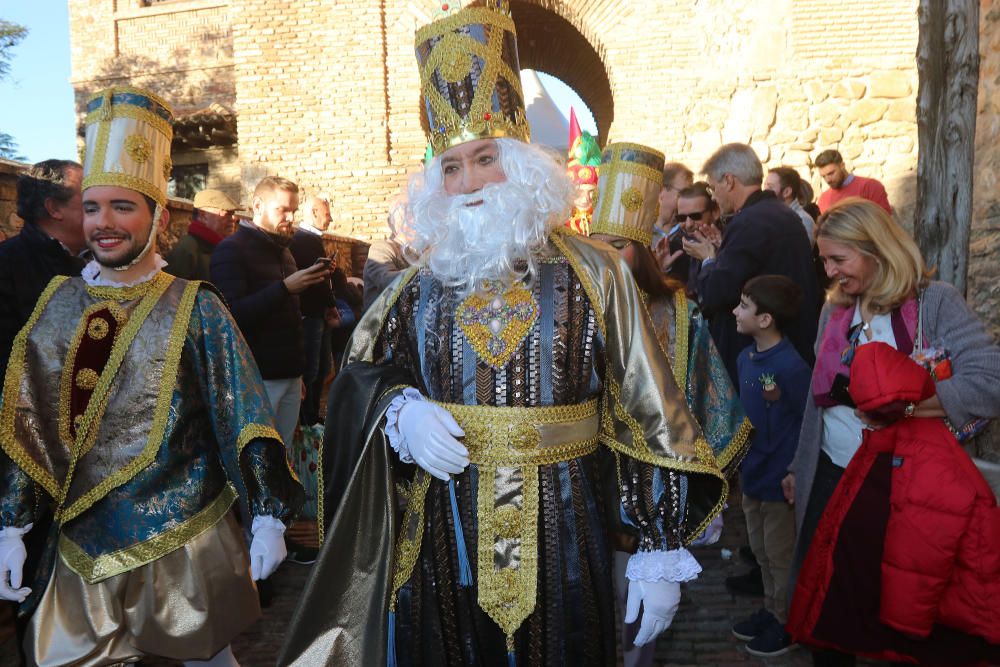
(549,43)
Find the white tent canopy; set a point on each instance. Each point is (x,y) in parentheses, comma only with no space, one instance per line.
(549,126)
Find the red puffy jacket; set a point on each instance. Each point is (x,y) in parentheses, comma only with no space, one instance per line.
(905,561)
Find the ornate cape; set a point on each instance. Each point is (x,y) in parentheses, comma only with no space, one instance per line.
(699,370)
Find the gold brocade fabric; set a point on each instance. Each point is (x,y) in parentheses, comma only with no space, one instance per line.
(35,432)
(141,613)
(508,445)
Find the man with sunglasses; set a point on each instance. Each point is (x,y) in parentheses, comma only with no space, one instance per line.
(697,213)
(763,236)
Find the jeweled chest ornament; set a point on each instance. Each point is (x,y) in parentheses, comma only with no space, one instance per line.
(495,323)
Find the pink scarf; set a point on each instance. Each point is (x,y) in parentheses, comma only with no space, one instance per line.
(834,340)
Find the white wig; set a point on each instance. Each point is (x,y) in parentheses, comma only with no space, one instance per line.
(468,247)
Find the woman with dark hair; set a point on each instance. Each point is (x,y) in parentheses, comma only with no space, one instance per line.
(624,217)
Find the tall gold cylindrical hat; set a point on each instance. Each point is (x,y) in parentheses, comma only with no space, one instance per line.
(128,134)
(470,77)
(628,192)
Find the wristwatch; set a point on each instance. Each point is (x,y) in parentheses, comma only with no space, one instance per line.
(908,410)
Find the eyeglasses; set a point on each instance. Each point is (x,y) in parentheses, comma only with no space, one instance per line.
(696,216)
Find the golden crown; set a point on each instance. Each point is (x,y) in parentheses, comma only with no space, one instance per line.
(471,77)
(628,192)
(127,136)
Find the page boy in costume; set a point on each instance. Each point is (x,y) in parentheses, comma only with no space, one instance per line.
(132,419)
(624,217)
(529,343)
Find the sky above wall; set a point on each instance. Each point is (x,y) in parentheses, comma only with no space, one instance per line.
(36,98)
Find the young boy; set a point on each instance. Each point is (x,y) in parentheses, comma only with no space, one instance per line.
(773,385)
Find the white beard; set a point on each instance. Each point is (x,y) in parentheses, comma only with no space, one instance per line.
(468,247)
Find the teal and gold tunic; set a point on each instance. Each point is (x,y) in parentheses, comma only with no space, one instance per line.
(131,422)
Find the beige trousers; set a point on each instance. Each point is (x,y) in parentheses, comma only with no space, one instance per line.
(771,530)
(186,605)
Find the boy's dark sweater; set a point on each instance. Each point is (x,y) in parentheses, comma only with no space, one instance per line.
(776,423)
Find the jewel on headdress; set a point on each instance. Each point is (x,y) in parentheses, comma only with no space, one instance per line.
(487,116)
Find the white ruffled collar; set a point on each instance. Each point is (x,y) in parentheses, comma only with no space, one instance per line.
(91,275)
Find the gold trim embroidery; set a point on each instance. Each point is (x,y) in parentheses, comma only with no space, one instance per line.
(98,328)
(738,446)
(175,345)
(138,147)
(69,363)
(411,535)
(105,566)
(508,445)
(127,111)
(252,431)
(132,292)
(682,323)
(12,391)
(632,199)
(140,185)
(495,324)
(86,379)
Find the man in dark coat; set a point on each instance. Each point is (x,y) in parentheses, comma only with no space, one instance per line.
(763,237)
(49,201)
(307,249)
(257,275)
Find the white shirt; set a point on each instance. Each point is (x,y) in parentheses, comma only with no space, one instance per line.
(842,429)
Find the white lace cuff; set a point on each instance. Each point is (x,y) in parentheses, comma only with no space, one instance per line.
(265,522)
(14,531)
(396,439)
(675,565)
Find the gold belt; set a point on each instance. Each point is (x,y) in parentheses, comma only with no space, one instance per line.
(527,436)
(508,445)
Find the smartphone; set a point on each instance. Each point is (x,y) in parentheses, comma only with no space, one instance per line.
(325,261)
(673,231)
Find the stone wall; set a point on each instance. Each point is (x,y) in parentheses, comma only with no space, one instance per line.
(984,250)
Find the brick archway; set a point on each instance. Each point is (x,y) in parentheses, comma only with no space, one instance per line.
(548,42)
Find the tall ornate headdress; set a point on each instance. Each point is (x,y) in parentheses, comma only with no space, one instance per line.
(470,77)
(628,193)
(127,136)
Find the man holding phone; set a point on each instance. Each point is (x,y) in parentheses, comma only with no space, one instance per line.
(314,302)
(258,275)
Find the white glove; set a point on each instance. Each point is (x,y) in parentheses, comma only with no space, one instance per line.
(659,600)
(429,433)
(12,557)
(267,548)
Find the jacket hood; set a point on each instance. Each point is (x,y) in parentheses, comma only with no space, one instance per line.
(882,375)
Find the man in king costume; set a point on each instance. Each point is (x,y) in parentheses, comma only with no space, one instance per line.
(133,418)
(516,405)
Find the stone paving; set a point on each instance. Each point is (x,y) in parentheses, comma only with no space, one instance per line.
(699,635)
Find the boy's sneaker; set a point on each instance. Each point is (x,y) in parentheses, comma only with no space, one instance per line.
(754,626)
(773,641)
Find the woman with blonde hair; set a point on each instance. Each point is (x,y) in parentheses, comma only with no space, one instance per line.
(881,293)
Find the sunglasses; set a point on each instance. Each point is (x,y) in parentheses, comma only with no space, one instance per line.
(681,217)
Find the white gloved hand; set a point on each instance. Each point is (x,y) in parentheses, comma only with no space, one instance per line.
(12,557)
(429,432)
(659,600)
(267,548)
